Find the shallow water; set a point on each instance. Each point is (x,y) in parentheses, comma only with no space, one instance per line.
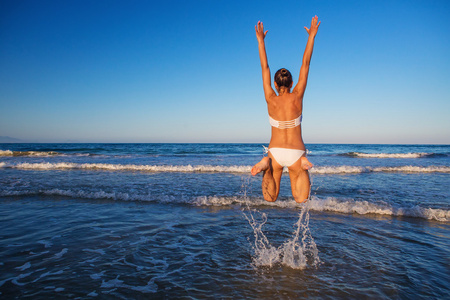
(126,232)
(77,248)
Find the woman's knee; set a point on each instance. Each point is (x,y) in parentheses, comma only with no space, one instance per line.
(300,199)
(270,197)
(301,192)
(300,195)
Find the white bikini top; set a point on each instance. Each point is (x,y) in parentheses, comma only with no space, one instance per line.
(285,124)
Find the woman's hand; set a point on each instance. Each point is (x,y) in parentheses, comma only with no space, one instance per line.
(260,34)
(314,27)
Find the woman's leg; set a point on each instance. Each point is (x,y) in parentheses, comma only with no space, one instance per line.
(271,177)
(300,182)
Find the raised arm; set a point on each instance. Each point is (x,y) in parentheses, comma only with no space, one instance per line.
(260,35)
(304,70)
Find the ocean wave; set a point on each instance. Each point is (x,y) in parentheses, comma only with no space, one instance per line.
(97,195)
(414,169)
(329,204)
(339,170)
(334,205)
(393,155)
(365,207)
(131,167)
(398,169)
(320,170)
(42,153)
(28,153)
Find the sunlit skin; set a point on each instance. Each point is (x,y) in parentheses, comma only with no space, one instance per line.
(286,105)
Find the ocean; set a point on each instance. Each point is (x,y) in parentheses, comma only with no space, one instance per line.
(188,221)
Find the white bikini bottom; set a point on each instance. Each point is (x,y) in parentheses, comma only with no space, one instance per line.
(286,157)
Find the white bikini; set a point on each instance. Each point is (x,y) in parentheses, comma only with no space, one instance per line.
(285,124)
(286,157)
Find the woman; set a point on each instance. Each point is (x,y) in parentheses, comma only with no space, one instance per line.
(286,148)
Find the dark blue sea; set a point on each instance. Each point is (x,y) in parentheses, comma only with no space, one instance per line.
(188,221)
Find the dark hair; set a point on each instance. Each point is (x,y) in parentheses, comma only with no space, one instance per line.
(283,78)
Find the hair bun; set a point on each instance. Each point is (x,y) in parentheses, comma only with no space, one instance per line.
(283,78)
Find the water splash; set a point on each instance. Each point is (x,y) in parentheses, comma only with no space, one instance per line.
(298,252)
(301,250)
(265,253)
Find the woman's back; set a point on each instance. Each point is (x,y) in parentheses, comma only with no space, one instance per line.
(286,107)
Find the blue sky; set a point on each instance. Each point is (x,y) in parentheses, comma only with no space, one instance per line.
(188,71)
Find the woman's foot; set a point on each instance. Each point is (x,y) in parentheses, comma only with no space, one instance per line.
(306,165)
(261,166)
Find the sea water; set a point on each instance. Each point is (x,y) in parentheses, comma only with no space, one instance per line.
(189,221)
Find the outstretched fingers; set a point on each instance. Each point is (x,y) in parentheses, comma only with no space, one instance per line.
(314,26)
(259,29)
(314,22)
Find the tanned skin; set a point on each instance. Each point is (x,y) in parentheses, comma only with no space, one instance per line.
(286,105)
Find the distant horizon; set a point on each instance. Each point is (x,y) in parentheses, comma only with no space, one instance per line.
(314,143)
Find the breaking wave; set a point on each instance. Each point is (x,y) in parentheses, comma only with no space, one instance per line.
(391,155)
(129,167)
(28,153)
(364,207)
(329,204)
(215,168)
(334,205)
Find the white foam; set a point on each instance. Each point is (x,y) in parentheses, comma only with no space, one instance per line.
(339,170)
(399,169)
(28,153)
(227,201)
(6,153)
(347,206)
(168,168)
(414,169)
(390,155)
(322,170)
(363,207)
(131,167)
(45,166)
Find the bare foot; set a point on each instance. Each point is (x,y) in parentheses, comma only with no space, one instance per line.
(306,165)
(261,166)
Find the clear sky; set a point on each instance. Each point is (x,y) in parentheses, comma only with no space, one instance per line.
(189,71)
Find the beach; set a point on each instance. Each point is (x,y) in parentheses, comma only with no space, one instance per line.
(165,221)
